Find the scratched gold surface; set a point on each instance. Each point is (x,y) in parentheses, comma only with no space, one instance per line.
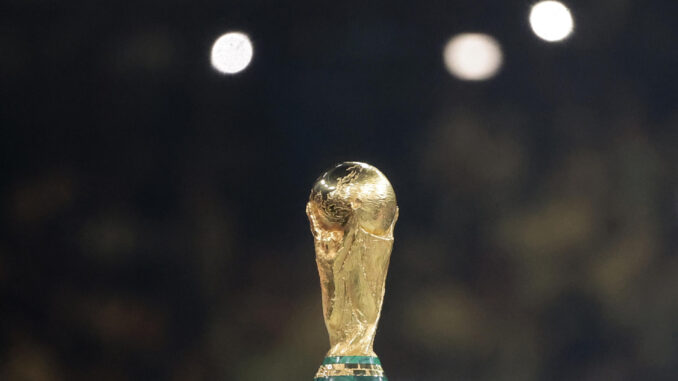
(352,210)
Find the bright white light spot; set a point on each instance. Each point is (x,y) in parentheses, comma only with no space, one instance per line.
(551,21)
(232,53)
(473,56)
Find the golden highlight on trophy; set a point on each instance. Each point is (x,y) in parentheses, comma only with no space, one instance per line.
(352,210)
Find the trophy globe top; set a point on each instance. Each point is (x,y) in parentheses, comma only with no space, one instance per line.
(354,191)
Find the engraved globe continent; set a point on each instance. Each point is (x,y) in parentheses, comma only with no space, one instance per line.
(354,192)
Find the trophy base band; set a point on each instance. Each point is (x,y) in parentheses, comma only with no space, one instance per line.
(351,378)
(350,368)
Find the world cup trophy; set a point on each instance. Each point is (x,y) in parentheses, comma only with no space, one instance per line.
(352,210)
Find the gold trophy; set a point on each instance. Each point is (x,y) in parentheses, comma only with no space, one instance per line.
(352,210)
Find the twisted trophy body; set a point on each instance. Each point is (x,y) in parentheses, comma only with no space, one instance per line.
(352,210)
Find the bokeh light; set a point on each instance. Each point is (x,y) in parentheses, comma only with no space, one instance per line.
(551,21)
(473,56)
(232,53)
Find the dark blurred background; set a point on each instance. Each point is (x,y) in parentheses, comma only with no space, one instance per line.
(153,208)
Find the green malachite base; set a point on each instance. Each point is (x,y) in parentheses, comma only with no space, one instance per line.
(350,368)
(351,378)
